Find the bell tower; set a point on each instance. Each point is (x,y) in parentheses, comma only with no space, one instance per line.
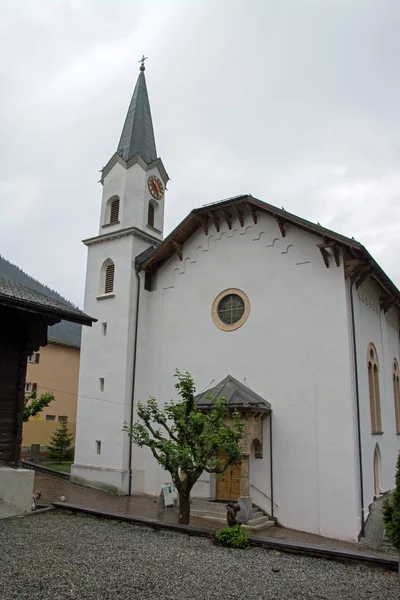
(131,221)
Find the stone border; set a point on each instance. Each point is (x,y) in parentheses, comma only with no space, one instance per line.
(313,550)
(45,470)
(214,309)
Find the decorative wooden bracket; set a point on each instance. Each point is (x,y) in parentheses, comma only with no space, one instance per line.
(324,254)
(240,215)
(253,211)
(215,219)
(351,266)
(362,275)
(333,248)
(228,218)
(386,302)
(178,248)
(281,225)
(203,219)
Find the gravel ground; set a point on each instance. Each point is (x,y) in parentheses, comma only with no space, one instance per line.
(58,556)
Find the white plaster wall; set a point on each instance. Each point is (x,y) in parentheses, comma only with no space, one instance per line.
(16,487)
(372,325)
(260,473)
(293,350)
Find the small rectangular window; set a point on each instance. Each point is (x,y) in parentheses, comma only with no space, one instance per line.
(101,384)
(50,417)
(104,328)
(34,357)
(98,447)
(28,386)
(34,387)
(63,419)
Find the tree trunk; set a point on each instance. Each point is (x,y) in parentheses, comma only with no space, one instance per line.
(184,507)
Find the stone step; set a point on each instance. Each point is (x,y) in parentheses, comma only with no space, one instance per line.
(214,506)
(250,526)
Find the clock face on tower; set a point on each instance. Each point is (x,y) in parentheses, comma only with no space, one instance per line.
(155,187)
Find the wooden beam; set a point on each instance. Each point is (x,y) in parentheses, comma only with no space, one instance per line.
(178,248)
(362,275)
(386,302)
(253,211)
(324,254)
(239,214)
(281,225)
(228,218)
(336,254)
(351,266)
(203,220)
(333,248)
(215,219)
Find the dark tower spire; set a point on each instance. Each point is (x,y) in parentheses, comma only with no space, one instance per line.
(137,138)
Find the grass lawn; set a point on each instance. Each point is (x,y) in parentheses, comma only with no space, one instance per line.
(64,466)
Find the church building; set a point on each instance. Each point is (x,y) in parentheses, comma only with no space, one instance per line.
(296,325)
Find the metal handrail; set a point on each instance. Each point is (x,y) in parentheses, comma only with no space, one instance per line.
(264,494)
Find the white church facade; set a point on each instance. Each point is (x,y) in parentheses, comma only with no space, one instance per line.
(297,322)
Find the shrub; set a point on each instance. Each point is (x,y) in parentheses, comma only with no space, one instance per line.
(232,537)
(391,512)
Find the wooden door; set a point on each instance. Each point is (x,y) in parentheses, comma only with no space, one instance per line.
(228,487)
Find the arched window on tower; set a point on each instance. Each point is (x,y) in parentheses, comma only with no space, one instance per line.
(107,277)
(396,393)
(150,214)
(374,392)
(114,211)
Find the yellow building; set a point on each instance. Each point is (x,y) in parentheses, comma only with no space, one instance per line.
(54,368)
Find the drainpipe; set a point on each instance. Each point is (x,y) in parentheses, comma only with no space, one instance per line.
(270,463)
(134,375)
(362,532)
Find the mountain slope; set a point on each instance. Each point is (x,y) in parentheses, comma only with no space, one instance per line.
(63,332)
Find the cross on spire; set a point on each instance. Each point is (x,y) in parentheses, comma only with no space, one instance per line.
(142,67)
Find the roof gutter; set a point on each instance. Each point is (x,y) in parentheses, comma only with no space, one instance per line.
(134,377)
(357,391)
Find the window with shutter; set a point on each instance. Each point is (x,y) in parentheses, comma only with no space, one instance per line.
(37,357)
(109,281)
(114,212)
(34,387)
(150,215)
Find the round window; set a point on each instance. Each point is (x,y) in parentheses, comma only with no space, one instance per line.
(230,309)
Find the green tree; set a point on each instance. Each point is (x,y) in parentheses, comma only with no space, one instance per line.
(60,448)
(391,512)
(33,405)
(186,441)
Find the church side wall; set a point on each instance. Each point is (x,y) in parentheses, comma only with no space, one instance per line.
(293,350)
(373,325)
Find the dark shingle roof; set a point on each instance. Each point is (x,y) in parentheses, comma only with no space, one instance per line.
(21,296)
(137,138)
(237,396)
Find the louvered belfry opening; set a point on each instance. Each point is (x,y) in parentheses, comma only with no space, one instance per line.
(150,215)
(109,283)
(147,281)
(114,213)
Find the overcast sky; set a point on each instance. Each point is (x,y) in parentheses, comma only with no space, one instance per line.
(294,101)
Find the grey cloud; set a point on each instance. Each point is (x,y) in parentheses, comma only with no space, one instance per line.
(294,102)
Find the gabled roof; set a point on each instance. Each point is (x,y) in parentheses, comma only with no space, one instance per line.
(137,138)
(237,395)
(359,264)
(20,296)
